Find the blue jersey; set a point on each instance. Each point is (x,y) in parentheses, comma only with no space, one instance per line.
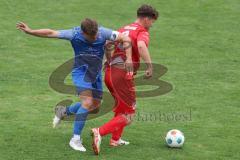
(87,55)
(82,47)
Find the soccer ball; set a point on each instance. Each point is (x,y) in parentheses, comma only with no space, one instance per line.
(175,138)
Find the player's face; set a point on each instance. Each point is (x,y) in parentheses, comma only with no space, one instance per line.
(149,22)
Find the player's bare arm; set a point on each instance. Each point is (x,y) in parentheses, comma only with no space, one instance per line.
(144,54)
(126,40)
(109,49)
(45,33)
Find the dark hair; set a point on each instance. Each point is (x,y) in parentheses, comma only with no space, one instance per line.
(89,26)
(147,11)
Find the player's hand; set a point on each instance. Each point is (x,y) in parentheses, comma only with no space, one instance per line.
(23,27)
(148,73)
(129,66)
(129,69)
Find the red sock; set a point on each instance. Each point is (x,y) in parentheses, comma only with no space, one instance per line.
(118,134)
(113,125)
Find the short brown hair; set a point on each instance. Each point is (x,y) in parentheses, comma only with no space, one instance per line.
(147,11)
(89,26)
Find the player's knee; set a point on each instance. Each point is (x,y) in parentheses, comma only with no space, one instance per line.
(95,107)
(96,103)
(92,105)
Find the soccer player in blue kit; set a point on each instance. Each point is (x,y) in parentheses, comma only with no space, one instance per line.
(88,42)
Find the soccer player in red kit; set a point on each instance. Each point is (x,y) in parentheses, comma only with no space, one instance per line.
(120,81)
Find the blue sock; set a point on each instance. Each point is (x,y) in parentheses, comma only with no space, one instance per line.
(73,108)
(80,120)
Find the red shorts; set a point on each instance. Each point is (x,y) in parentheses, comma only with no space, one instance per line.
(122,89)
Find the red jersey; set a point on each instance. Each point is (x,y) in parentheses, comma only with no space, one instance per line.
(137,33)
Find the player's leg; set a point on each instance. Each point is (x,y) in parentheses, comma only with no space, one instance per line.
(114,80)
(72,109)
(63,111)
(88,104)
(96,137)
(117,134)
(113,125)
(124,94)
(116,139)
(96,88)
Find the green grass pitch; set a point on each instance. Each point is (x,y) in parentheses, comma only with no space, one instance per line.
(197,40)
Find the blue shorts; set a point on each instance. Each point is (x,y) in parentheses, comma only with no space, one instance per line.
(82,84)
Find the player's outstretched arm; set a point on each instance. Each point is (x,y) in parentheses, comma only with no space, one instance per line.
(144,54)
(46,33)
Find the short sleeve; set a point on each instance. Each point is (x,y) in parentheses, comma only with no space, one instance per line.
(66,34)
(109,34)
(143,36)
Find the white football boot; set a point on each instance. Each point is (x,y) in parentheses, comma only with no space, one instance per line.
(76,144)
(120,142)
(96,137)
(60,113)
